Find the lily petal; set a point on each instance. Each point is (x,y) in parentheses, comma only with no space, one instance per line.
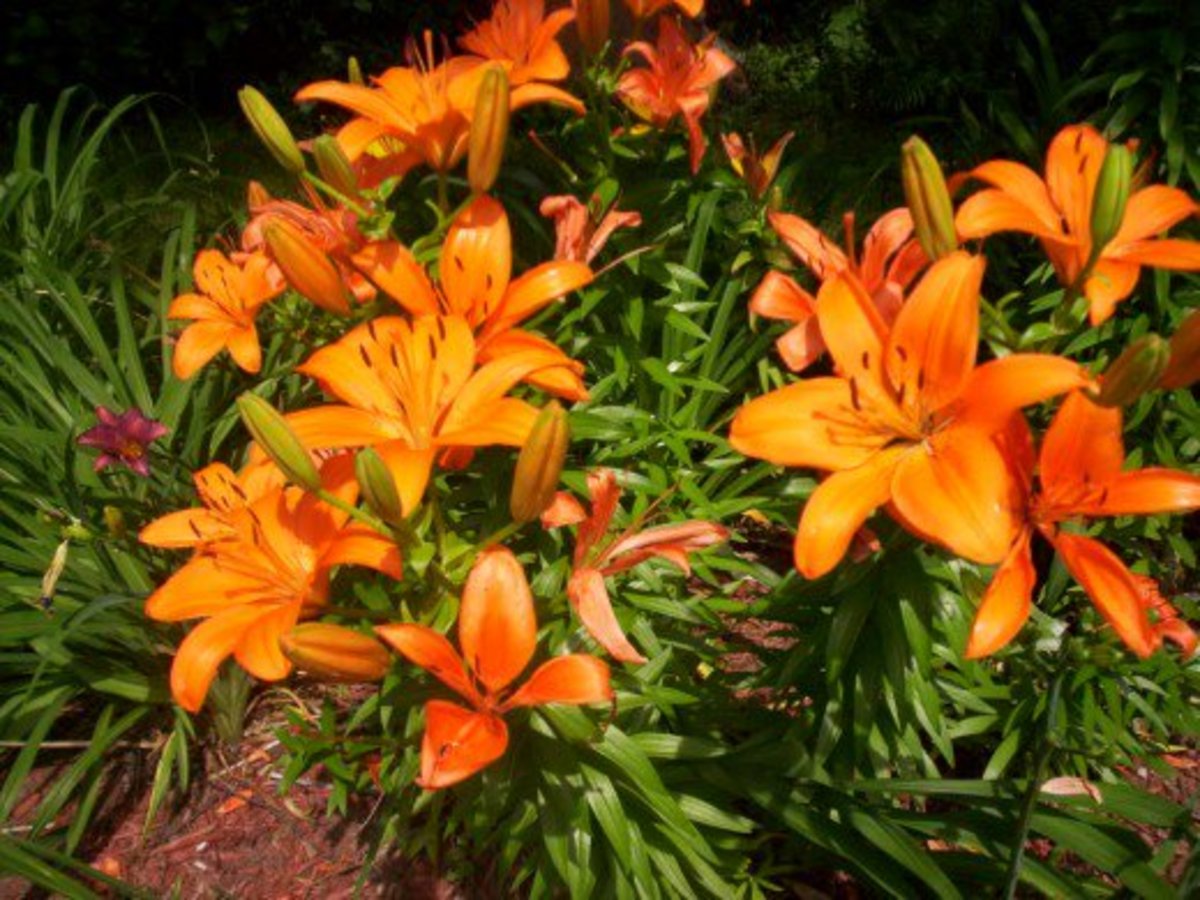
(431,651)
(497,628)
(1112,587)
(589,597)
(458,743)
(575,679)
(1006,603)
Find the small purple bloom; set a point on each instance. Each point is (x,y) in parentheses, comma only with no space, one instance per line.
(123,439)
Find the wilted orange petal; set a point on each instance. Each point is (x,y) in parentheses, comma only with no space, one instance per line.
(1006,604)
(575,679)
(957,490)
(589,597)
(432,652)
(836,509)
(563,510)
(677,537)
(497,628)
(1112,587)
(458,743)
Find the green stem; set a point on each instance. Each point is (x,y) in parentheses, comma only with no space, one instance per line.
(337,195)
(363,516)
(1034,789)
(498,535)
(349,612)
(443,198)
(1011,339)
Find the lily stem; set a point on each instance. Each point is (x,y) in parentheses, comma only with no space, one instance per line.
(329,189)
(1033,790)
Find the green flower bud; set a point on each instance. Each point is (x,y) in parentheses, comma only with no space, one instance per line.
(928,199)
(540,464)
(272,432)
(1133,373)
(335,653)
(334,167)
(1111,196)
(489,131)
(378,486)
(271,129)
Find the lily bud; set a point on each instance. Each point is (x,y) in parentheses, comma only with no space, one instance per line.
(540,464)
(592,22)
(928,199)
(1111,195)
(334,653)
(378,486)
(1133,373)
(306,267)
(271,129)
(114,521)
(489,131)
(334,167)
(354,72)
(1184,368)
(272,432)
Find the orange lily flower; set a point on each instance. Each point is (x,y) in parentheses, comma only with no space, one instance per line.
(222,313)
(520,36)
(225,498)
(425,107)
(1081,476)
(907,420)
(411,389)
(1058,212)
(643,9)
(333,232)
(475,282)
(254,587)
(594,561)
(580,232)
(678,81)
(758,171)
(497,631)
(891,259)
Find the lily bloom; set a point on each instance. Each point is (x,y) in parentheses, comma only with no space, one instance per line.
(678,80)
(425,107)
(475,283)
(580,232)
(644,9)
(521,37)
(497,631)
(223,312)
(225,497)
(891,259)
(1081,476)
(123,439)
(1058,211)
(758,171)
(332,231)
(410,390)
(907,419)
(595,558)
(252,589)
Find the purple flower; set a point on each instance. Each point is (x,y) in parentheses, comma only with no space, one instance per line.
(123,439)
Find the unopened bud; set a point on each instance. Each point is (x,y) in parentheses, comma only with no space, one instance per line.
(540,464)
(1184,368)
(271,431)
(378,486)
(306,267)
(1111,196)
(333,165)
(928,199)
(334,653)
(489,131)
(1133,373)
(354,72)
(592,19)
(114,521)
(271,129)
